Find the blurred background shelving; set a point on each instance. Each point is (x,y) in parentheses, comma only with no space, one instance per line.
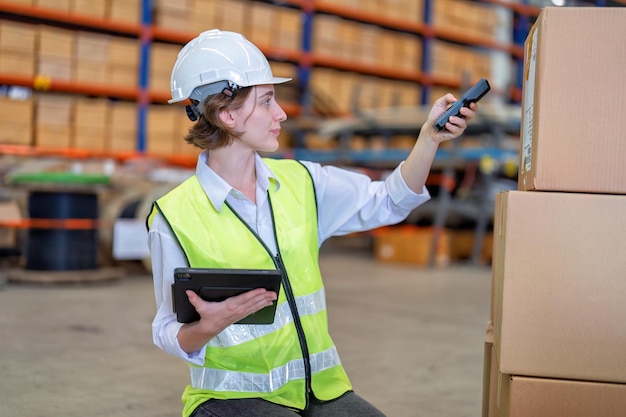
(88,80)
(393,52)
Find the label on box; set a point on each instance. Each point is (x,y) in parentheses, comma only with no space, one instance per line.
(529,104)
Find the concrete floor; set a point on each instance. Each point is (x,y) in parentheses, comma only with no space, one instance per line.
(411,340)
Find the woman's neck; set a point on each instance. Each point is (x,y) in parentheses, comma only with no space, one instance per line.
(238,169)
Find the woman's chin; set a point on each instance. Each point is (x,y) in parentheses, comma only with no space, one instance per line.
(269,148)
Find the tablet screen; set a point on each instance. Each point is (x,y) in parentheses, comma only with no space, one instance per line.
(215,284)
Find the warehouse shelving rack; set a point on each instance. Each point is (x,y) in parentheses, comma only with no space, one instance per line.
(305,59)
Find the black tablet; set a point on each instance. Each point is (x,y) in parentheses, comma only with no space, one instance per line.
(214,284)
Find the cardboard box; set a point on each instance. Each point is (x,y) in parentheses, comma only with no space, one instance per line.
(172,19)
(559,272)
(233,15)
(53,4)
(90,123)
(123,115)
(462,245)
(92,47)
(53,136)
(89,7)
(17,37)
(16,119)
(121,133)
(55,67)
(52,41)
(289,25)
(91,112)
(124,11)
(573,116)
(10,213)
(91,138)
(520,396)
(161,130)
(411,245)
(12,110)
(90,72)
(122,75)
(120,140)
(22,63)
(54,109)
(124,51)
(262,21)
(16,133)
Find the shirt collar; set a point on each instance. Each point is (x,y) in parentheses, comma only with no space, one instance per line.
(217,190)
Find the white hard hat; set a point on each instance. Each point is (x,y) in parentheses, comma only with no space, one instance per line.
(217,61)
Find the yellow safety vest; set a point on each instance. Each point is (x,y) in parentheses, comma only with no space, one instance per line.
(295,356)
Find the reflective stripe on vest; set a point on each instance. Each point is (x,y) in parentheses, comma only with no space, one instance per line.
(242,333)
(221,380)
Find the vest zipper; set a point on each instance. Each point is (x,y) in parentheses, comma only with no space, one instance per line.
(299,329)
(291,300)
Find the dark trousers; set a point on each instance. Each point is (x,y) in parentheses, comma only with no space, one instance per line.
(348,405)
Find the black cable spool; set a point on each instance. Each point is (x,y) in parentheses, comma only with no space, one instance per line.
(63,196)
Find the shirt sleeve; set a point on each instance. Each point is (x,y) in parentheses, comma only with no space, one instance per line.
(166,256)
(350,201)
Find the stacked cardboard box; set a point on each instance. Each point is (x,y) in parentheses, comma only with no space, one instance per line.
(88,8)
(55,52)
(54,116)
(173,14)
(472,18)
(204,15)
(162,59)
(162,124)
(17,48)
(90,123)
(557,345)
(233,15)
(91,57)
(411,245)
(365,43)
(121,135)
(337,89)
(124,11)
(63,5)
(290,23)
(123,64)
(16,119)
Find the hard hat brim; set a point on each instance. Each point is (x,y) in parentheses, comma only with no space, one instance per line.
(273,80)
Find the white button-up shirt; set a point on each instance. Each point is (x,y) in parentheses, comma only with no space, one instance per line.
(348,201)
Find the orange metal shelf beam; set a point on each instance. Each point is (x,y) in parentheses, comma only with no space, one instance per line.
(44,83)
(22,150)
(66,224)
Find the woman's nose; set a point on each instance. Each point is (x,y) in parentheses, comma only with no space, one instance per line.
(281,116)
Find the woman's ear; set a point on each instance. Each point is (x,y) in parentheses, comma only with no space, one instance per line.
(227,117)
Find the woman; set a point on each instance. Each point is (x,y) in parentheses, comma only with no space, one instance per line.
(242,211)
